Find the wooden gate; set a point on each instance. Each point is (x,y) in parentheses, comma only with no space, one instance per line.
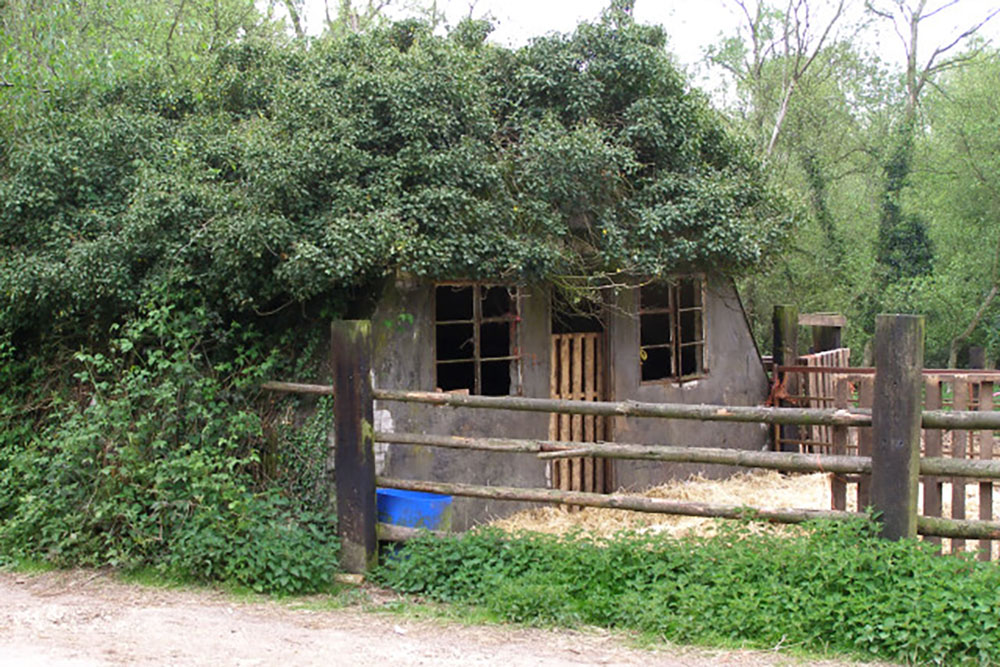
(820,392)
(578,374)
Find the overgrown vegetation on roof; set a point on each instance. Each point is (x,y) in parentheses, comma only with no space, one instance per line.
(291,172)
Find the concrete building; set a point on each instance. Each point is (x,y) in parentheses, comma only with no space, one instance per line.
(682,340)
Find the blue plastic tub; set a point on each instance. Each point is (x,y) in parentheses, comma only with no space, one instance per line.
(414,509)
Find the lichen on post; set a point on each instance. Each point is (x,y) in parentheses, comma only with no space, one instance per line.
(354,457)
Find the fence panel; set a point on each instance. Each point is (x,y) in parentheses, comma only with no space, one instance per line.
(577,373)
(814,389)
(945,392)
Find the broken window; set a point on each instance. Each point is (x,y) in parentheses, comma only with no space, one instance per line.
(476,338)
(672,329)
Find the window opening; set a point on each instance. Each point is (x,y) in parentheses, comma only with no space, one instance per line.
(672,330)
(476,338)
(581,317)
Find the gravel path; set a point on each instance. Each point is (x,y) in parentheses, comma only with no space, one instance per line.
(89,618)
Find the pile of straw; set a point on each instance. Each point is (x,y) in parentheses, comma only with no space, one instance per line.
(760,489)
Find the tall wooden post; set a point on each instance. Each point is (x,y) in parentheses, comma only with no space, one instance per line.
(896,415)
(354,456)
(785,322)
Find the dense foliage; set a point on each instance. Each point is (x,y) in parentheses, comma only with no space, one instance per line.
(152,455)
(890,158)
(291,173)
(172,235)
(833,587)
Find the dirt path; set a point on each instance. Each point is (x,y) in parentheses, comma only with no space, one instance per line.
(86,618)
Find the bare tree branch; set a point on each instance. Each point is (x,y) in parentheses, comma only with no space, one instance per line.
(293,14)
(973,323)
(939,9)
(799,70)
(967,33)
(173,27)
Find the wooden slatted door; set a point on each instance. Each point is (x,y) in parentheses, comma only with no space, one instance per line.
(578,374)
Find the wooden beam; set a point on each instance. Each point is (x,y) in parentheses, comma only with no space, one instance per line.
(723,413)
(959,450)
(838,485)
(986,454)
(615,501)
(785,324)
(932,448)
(390,532)
(822,320)
(788,461)
(941,419)
(298,388)
(866,390)
(955,528)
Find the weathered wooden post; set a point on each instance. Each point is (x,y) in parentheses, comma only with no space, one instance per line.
(785,322)
(354,456)
(896,415)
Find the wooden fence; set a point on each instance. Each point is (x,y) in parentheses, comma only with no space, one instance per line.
(958,390)
(893,466)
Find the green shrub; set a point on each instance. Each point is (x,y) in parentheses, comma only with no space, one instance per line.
(153,463)
(831,587)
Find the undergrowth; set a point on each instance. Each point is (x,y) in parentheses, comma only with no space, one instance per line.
(834,587)
(149,452)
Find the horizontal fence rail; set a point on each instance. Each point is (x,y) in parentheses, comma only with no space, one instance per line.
(298,388)
(721,413)
(618,501)
(938,419)
(925,525)
(783,461)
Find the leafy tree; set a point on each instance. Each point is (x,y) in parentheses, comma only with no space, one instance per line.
(903,248)
(290,173)
(772,52)
(814,108)
(957,186)
(48,46)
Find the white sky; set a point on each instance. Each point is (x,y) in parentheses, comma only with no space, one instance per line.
(691,25)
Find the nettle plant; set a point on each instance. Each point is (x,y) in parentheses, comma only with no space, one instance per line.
(150,461)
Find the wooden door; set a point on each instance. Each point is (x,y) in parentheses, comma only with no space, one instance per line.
(578,374)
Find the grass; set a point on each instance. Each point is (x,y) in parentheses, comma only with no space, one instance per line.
(831,588)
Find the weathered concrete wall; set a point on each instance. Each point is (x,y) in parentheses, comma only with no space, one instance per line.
(735,376)
(404,359)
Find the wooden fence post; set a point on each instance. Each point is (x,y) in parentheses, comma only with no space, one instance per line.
(896,415)
(354,456)
(785,321)
(932,448)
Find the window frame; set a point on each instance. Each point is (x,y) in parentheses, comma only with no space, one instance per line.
(676,341)
(512,318)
